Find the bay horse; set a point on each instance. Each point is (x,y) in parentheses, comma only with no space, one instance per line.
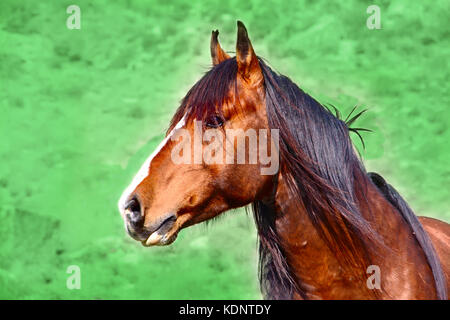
(322,220)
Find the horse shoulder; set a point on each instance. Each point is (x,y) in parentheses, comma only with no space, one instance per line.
(439,232)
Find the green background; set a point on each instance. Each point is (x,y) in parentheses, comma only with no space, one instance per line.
(80,110)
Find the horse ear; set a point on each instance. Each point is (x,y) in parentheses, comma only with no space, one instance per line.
(247,61)
(217,54)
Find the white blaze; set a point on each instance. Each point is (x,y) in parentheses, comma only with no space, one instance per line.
(145,168)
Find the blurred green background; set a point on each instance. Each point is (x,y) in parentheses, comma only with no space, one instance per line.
(80,110)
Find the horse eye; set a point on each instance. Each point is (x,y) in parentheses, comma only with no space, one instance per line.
(214,121)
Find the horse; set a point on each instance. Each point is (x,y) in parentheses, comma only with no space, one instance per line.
(327,229)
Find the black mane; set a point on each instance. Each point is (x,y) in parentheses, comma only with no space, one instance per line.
(321,168)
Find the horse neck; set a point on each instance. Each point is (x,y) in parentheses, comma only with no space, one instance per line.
(316,268)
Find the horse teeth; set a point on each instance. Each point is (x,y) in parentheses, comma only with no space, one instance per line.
(153,239)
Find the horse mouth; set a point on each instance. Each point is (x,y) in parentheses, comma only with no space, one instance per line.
(165,234)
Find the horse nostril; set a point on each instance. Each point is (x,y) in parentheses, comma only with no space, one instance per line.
(133,205)
(133,209)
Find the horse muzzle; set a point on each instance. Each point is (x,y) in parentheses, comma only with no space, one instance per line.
(161,231)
